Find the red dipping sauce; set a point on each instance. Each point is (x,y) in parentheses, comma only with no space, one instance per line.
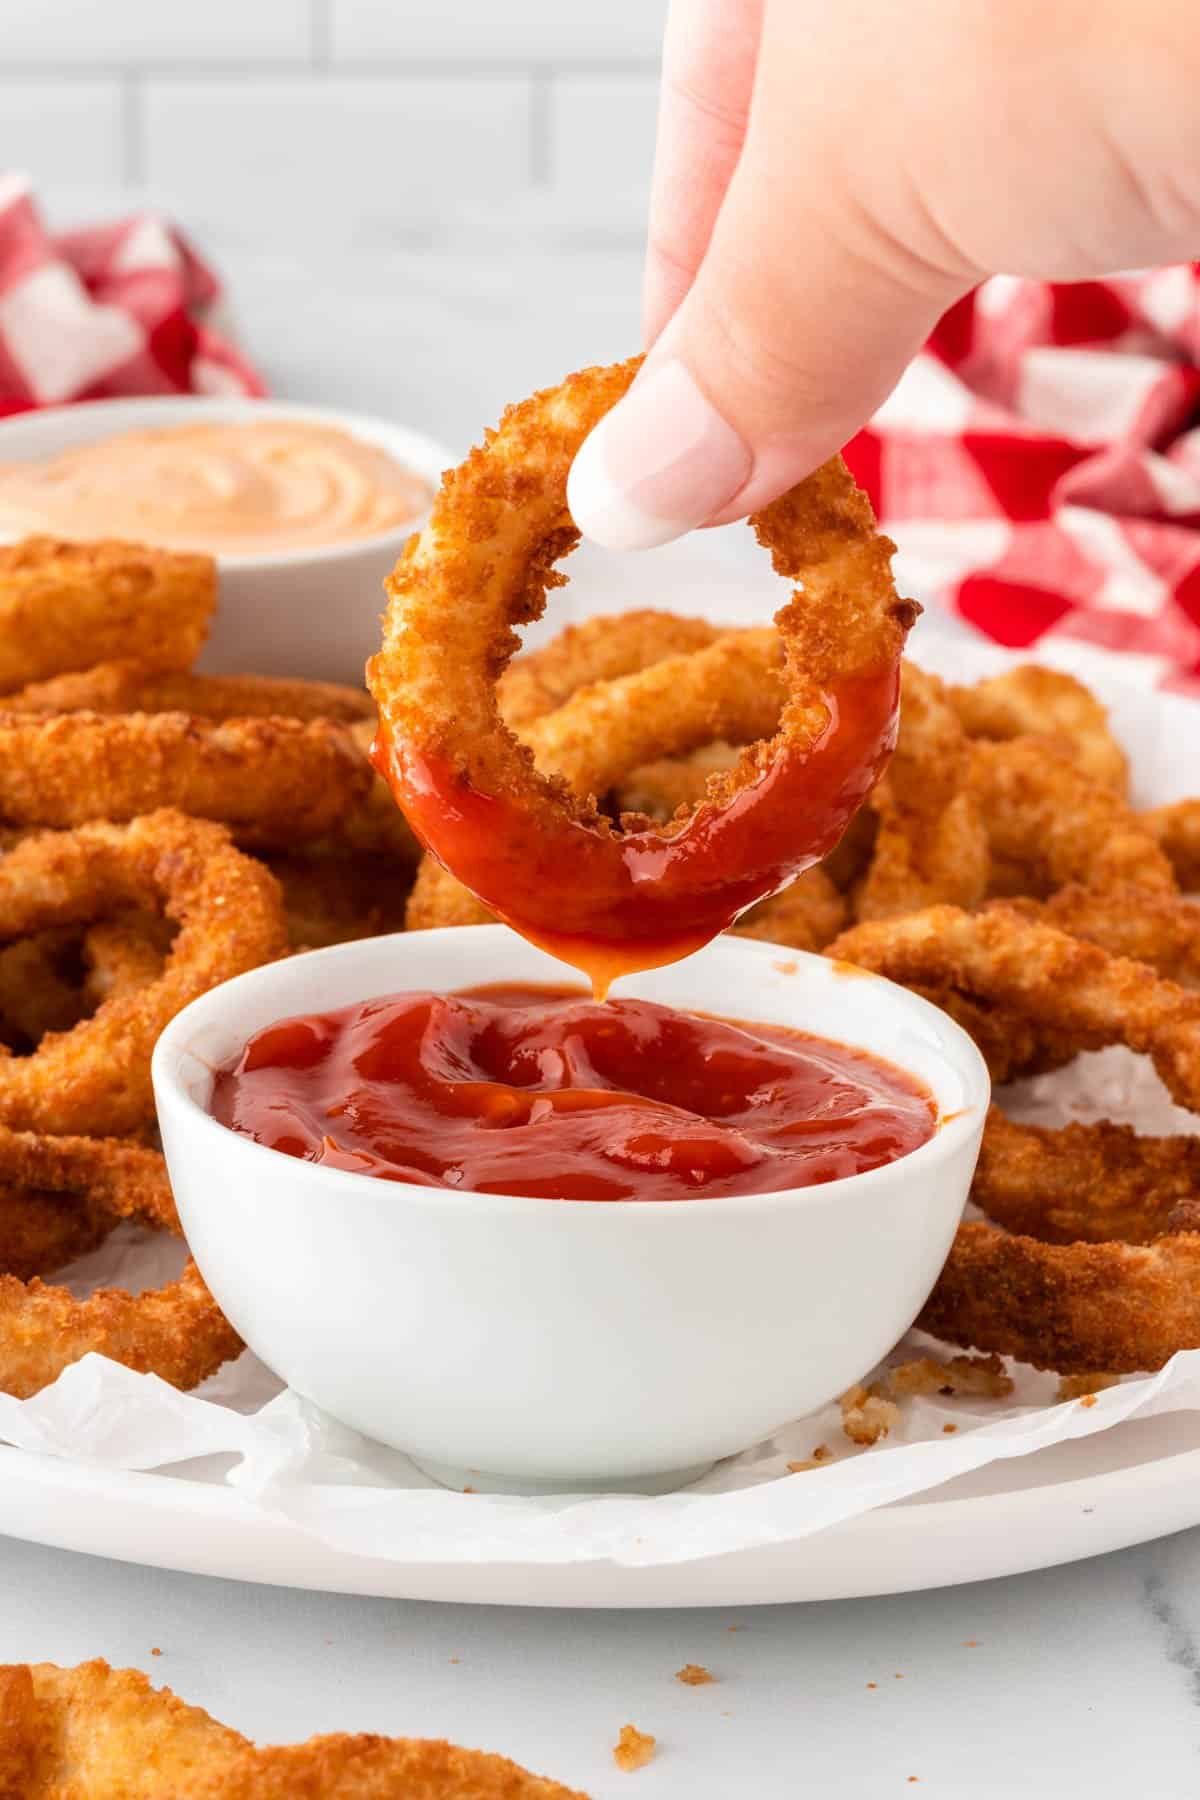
(541,1091)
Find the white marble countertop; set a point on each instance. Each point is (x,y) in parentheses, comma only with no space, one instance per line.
(1080,1680)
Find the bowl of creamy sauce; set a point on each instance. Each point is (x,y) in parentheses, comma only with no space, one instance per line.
(305,510)
(226,486)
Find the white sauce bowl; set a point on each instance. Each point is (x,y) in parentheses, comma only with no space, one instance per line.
(310,612)
(522,1345)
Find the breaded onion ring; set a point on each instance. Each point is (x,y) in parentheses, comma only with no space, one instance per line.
(1176,828)
(1045,703)
(600,895)
(96,1733)
(1049,824)
(335,899)
(930,845)
(1080,1305)
(95,1078)
(66,606)
(135,687)
(177,1332)
(275,782)
(599,649)
(805,916)
(1146,924)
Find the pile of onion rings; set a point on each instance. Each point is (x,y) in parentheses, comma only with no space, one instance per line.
(132,791)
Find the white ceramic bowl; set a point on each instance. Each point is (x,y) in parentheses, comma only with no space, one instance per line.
(522,1344)
(289,612)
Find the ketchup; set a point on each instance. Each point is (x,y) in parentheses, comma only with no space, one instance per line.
(541,1091)
(615,902)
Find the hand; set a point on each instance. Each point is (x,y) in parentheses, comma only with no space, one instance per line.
(831,175)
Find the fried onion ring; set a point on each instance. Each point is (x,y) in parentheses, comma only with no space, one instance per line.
(106,1734)
(1047,703)
(600,895)
(336,899)
(599,649)
(1084,1304)
(275,782)
(1176,828)
(134,687)
(66,606)
(1049,824)
(95,1078)
(176,1332)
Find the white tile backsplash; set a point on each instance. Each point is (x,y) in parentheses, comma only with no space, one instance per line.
(541,31)
(60,131)
(522,120)
(132,32)
(381,150)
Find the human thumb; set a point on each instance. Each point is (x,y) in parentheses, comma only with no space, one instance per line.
(798,324)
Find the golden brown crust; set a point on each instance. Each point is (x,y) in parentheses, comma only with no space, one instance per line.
(277,782)
(599,649)
(95,1078)
(136,687)
(335,899)
(1049,824)
(1046,703)
(805,916)
(1176,828)
(66,606)
(97,1733)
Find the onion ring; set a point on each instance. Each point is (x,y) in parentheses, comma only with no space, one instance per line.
(107,1734)
(134,687)
(599,649)
(95,1078)
(276,782)
(65,606)
(1176,829)
(336,899)
(600,896)
(1049,824)
(176,1332)
(1081,1305)
(1046,703)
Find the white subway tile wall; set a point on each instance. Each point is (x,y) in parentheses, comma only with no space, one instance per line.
(387,120)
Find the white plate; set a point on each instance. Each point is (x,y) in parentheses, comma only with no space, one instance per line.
(1137,1481)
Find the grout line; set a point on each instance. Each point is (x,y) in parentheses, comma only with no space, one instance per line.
(541,149)
(321,28)
(245,73)
(133,171)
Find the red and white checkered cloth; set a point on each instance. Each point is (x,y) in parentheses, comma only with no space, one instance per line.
(1039,466)
(110,310)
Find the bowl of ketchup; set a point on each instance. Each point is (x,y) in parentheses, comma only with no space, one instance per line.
(545,1244)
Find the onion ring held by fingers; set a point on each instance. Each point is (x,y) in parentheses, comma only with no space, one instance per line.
(1084,1304)
(1031,701)
(65,606)
(607,896)
(132,687)
(177,1332)
(275,782)
(96,1077)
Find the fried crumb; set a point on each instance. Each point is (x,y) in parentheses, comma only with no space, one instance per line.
(735,1628)
(822,1453)
(867,1417)
(970,1643)
(633,1749)
(156,1651)
(947,1429)
(1087,1399)
(913,1778)
(872,1684)
(800,1468)
(897,1678)
(456,1659)
(468,1490)
(1079,1387)
(694,1675)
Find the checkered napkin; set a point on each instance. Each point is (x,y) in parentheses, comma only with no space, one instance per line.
(1039,466)
(110,310)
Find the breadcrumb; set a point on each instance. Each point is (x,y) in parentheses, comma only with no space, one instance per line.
(694,1675)
(866,1417)
(869,1413)
(633,1749)
(801,1468)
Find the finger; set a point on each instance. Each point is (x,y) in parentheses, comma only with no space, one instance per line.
(709,53)
(800,321)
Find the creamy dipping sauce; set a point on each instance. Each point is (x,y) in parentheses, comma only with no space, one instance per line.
(270,484)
